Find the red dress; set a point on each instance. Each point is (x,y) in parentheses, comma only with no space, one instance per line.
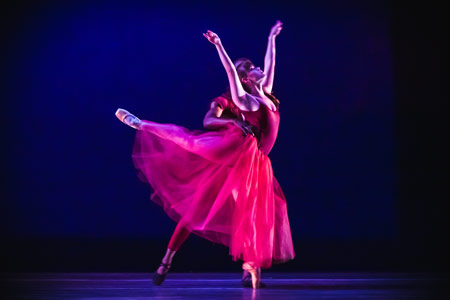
(220,183)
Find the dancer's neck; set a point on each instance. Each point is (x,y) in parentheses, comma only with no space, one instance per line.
(256,90)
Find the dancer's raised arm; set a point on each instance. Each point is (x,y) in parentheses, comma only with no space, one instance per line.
(238,94)
(269,59)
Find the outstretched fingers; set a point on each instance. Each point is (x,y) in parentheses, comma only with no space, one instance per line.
(276,29)
(212,37)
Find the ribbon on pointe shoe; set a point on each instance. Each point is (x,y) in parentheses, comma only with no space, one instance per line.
(254,272)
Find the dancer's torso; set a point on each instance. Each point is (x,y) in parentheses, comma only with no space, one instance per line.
(265,122)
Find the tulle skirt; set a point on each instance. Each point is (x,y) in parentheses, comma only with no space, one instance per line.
(220,185)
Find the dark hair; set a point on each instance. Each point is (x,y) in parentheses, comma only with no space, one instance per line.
(242,66)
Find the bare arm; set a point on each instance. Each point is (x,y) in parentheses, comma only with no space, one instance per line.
(214,120)
(269,59)
(238,94)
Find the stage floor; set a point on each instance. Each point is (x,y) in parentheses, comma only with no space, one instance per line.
(219,286)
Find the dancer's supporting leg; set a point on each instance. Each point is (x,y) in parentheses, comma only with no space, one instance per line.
(247,278)
(179,236)
(255,273)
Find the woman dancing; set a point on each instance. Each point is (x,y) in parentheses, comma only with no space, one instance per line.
(219,184)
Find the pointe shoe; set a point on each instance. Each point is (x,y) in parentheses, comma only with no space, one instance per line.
(255,274)
(128,118)
(159,278)
(247,280)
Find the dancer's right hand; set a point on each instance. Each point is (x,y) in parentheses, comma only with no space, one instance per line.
(212,37)
(244,126)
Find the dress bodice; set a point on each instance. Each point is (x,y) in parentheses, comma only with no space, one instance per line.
(265,121)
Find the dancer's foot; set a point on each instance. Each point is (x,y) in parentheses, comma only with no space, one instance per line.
(255,274)
(164,267)
(247,280)
(161,273)
(128,118)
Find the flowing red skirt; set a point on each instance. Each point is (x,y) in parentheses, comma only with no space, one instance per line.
(220,185)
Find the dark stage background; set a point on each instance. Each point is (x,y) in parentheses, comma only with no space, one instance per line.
(358,82)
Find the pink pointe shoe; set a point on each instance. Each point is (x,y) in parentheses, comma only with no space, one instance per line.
(254,272)
(128,119)
(247,280)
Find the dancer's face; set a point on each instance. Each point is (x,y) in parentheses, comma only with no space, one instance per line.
(254,75)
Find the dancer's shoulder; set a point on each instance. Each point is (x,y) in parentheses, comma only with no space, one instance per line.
(274,99)
(224,100)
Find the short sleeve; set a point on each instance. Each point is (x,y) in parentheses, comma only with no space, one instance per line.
(223,102)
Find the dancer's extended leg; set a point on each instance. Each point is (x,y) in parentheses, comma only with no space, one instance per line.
(128,118)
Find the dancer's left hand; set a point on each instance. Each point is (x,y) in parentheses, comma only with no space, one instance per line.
(276,29)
